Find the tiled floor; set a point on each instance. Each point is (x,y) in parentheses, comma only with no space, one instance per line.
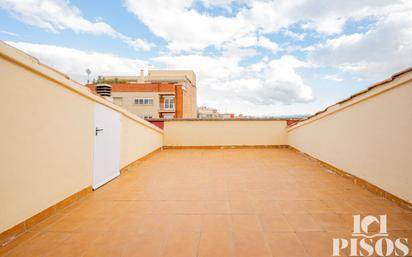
(233,202)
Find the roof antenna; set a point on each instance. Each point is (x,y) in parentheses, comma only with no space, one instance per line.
(88,72)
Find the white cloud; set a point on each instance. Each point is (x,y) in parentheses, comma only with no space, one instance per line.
(74,62)
(283,84)
(207,68)
(268,44)
(294,35)
(225,76)
(9,33)
(381,51)
(333,77)
(58,15)
(324,16)
(225,4)
(186,28)
(221,80)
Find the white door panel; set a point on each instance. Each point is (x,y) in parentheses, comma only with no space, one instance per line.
(106,159)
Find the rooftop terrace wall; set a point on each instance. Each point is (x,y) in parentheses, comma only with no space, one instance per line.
(368,136)
(231,132)
(47,137)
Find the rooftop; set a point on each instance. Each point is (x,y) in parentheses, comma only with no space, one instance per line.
(238,187)
(160,76)
(213,202)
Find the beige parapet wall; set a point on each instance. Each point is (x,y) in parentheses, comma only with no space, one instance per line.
(47,125)
(137,141)
(183,133)
(369,136)
(47,136)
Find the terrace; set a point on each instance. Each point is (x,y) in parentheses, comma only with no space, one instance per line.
(196,188)
(216,202)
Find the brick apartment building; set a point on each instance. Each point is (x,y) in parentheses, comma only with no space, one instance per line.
(159,94)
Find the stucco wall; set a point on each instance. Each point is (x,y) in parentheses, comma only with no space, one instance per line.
(46,143)
(369,136)
(47,130)
(137,141)
(224,132)
(140,110)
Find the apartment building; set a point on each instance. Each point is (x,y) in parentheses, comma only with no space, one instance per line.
(227,115)
(159,94)
(204,112)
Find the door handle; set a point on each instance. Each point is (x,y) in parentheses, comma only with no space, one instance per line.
(98,130)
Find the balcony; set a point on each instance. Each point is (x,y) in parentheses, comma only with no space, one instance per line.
(166,108)
(167,93)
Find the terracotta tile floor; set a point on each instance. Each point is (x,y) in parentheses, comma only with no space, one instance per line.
(232,202)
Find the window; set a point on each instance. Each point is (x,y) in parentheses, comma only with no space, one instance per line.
(118,101)
(169,103)
(147,117)
(143,101)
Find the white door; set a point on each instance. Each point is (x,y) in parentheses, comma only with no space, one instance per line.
(106,159)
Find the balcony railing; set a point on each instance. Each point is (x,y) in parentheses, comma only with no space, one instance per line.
(167,108)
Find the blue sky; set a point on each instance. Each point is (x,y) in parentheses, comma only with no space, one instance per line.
(265,58)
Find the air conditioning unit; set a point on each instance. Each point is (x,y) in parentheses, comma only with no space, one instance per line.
(104,90)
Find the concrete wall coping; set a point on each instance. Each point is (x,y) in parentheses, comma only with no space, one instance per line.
(396,80)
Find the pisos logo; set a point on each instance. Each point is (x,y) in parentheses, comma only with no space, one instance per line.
(368,243)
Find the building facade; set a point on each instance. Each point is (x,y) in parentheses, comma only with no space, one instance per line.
(227,115)
(204,112)
(159,94)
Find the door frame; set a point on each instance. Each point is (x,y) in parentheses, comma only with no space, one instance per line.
(115,174)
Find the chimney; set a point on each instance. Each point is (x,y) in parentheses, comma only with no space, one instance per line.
(141,78)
